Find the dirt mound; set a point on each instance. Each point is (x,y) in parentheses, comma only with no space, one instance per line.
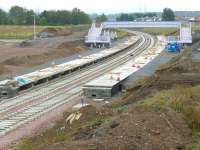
(77,46)
(25,43)
(30,60)
(52,32)
(135,129)
(3,69)
(64,50)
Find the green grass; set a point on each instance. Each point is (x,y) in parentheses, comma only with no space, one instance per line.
(93,123)
(119,108)
(17,32)
(25,32)
(57,134)
(122,34)
(161,31)
(181,100)
(196,27)
(167,31)
(50,136)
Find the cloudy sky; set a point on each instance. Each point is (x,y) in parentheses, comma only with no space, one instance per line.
(106,6)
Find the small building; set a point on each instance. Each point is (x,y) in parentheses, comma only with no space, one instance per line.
(8,89)
(103,87)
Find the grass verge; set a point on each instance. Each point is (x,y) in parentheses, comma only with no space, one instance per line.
(25,32)
(121,34)
(62,132)
(161,31)
(185,100)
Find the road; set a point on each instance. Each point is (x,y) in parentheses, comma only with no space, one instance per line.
(37,102)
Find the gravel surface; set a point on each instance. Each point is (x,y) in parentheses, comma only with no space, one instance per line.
(37,126)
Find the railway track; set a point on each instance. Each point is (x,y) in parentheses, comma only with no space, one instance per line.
(31,105)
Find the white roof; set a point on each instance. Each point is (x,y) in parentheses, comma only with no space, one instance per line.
(4,82)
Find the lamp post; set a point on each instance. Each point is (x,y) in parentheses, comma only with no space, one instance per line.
(34,27)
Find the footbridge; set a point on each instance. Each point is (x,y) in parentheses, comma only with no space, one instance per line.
(102,36)
(130,24)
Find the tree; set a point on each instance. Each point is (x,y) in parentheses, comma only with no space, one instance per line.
(79,17)
(17,15)
(149,14)
(76,16)
(51,17)
(101,18)
(64,17)
(138,15)
(3,17)
(29,17)
(168,15)
(42,21)
(125,17)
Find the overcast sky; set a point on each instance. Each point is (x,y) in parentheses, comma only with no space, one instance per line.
(106,6)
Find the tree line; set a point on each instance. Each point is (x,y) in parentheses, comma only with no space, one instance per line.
(101,18)
(133,16)
(21,16)
(167,15)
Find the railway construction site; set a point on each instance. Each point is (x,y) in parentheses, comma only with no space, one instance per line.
(55,108)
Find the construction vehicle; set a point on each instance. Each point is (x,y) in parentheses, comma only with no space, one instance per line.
(174,47)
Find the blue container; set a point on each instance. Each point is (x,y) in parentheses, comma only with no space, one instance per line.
(174,47)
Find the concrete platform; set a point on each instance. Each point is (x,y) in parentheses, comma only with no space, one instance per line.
(112,82)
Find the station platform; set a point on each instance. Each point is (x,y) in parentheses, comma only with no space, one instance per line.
(111,83)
